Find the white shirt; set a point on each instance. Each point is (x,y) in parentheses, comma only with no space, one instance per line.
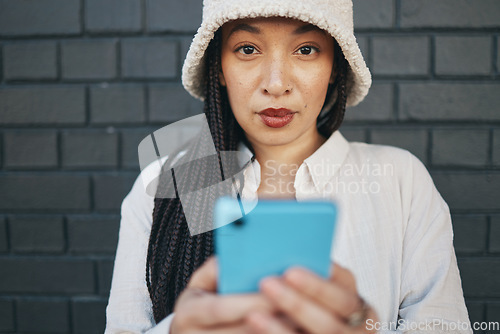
(394,233)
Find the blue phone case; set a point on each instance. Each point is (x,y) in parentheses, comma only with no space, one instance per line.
(274,236)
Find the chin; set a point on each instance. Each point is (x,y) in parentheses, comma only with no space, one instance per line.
(274,140)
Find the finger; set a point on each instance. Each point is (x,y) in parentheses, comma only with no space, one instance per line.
(205,277)
(307,314)
(240,328)
(329,294)
(266,323)
(203,309)
(288,322)
(343,277)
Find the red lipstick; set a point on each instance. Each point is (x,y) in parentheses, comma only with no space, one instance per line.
(276,118)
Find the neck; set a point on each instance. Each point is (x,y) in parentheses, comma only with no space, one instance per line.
(279,164)
(292,153)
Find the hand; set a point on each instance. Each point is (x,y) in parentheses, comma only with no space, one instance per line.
(312,303)
(199,309)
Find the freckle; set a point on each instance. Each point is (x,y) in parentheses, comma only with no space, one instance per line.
(305,107)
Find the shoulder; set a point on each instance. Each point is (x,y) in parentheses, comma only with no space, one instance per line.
(406,172)
(401,161)
(399,167)
(137,207)
(363,151)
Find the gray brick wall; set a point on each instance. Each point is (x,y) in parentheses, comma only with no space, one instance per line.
(87,60)
(30,61)
(82,82)
(400,55)
(458,55)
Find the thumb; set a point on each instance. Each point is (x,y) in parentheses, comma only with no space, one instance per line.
(205,277)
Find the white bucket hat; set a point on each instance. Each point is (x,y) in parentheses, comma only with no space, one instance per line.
(333,16)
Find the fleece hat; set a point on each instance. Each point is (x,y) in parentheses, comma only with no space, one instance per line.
(333,16)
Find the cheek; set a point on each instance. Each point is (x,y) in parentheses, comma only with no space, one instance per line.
(324,78)
(238,99)
(314,90)
(235,93)
(239,89)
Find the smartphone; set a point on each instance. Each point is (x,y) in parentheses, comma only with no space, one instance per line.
(274,236)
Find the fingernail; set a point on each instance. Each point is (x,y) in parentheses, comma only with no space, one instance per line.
(271,285)
(294,275)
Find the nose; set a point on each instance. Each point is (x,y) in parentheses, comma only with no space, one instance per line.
(276,77)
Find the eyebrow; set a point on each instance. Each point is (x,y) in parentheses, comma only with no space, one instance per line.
(244,27)
(254,30)
(306,28)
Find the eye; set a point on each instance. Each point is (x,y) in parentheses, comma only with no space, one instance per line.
(307,50)
(246,49)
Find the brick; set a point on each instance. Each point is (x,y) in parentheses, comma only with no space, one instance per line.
(105,274)
(37,234)
(130,142)
(2,158)
(484,270)
(89,316)
(111,189)
(91,59)
(413,140)
(93,235)
(30,149)
(463,55)
(373,13)
(460,147)
(476,311)
(495,234)
(171,103)
(498,54)
(42,105)
(112,16)
(117,104)
(45,316)
(406,55)
(455,187)
(450,13)
(4,244)
(35,61)
(496,147)
(470,233)
(353,135)
(90,149)
(363,46)
(377,106)
(149,58)
(44,192)
(47,276)
(7,316)
(39,17)
(449,102)
(165,15)
(185,43)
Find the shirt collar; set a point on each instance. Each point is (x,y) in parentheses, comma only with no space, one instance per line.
(321,166)
(328,158)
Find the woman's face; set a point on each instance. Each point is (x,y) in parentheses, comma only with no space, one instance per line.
(276,71)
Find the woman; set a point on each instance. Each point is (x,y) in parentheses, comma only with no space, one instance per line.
(276,77)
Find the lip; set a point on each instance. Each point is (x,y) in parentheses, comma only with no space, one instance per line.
(276,117)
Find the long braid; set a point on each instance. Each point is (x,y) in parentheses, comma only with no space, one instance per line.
(173,254)
(333,118)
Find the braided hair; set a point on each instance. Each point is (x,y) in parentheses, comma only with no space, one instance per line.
(173,254)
